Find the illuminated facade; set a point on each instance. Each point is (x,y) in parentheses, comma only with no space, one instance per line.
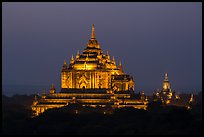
(168,97)
(165,94)
(92,79)
(166,84)
(94,70)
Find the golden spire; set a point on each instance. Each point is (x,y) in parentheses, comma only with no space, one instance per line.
(72,60)
(65,63)
(72,57)
(93,42)
(43,94)
(120,66)
(52,86)
(36,97)
(191,98)
(85,65)
(87,57)
(107,52)
(93,32)
(77,55)
(52,90)
(166,77)
(113,60)
(166,84)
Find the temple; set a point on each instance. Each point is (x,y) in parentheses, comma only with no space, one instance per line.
(166,94)
(169,97)
(92,79)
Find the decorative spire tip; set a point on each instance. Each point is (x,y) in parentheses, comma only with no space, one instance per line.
(93,32)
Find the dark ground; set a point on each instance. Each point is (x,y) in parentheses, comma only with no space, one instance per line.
(127,121)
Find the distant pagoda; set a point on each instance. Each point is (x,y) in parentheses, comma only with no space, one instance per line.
(169,97)
(165,94)
(92,79)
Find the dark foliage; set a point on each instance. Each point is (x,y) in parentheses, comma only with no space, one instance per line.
(93,121)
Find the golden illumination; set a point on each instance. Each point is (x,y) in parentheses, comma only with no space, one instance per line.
(167,101)
(91,79)
(166,84)
(93,69)
(191,99)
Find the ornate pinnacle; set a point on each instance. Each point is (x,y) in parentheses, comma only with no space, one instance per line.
(93,32)
(52,86)
(166,76)
(87,57)
(120,64)
(72,58)
(65,63)
(77,55)
(113,58)
(107,53)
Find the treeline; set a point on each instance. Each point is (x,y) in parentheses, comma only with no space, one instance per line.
(77,120)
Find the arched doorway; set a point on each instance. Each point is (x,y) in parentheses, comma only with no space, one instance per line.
(83,88)
(82,85)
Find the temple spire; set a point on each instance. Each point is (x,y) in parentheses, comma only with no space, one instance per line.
(77,55)
(166,77)
(52,87)
(93,32)
(120,64)
(72,60)
(166,84)
(87,57)
(64,65)
(93,42)
(52,90)
(120,67)
(113,60)
(107,53)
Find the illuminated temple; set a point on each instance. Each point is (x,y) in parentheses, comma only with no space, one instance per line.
(169,97)
(92,79)
(166,93)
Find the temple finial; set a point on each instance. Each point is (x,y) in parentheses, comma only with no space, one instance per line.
(52,87)
(166,76)
(113,59)
(107,53)
(65,62)
(77,55)
(93,32)
(52,90)
(72,60)
(120,66)
(64,65)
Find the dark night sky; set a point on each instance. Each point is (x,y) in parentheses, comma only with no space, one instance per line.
(149,38)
